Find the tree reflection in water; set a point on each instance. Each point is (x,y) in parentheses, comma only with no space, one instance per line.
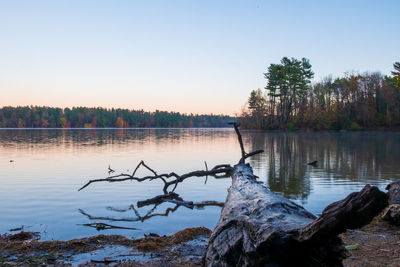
(343,157)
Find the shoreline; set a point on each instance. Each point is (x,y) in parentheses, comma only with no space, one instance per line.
(184,248)
(376,244)
(378,129)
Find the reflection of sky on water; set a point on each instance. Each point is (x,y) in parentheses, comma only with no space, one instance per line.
(39,188)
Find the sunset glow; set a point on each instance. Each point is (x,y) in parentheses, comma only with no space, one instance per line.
(186,56)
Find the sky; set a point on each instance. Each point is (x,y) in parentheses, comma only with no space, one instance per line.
(193,56)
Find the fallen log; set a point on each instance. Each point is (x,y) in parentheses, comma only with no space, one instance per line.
(258,227)
(392,213)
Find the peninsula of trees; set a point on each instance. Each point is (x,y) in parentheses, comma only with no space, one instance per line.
(83,117)
(354,101)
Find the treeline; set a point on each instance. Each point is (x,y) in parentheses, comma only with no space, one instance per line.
(354,101)
(83,117)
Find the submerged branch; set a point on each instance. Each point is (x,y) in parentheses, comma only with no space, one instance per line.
(105,226)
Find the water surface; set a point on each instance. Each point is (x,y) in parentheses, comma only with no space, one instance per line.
(38,189)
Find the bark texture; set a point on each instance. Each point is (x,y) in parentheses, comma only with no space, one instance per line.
(392,213)
(260,228)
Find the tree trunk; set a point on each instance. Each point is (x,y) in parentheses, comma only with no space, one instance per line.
(260,228)
(392,213)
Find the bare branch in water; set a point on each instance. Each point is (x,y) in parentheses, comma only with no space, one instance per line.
(219,171)
(104,226)
(244,154)
(173,179)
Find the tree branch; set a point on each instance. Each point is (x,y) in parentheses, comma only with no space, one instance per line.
(244,154)
(218,171)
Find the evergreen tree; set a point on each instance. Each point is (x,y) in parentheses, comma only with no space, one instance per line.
(287,83)
(396,73)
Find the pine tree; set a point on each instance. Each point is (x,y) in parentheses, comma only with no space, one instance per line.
(287,83)
(396,74)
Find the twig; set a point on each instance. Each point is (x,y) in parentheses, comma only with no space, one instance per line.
(110,170)
(244,154)
(236,126)
(104,226)
(201,205)
(105,261)
(158,199)
(253,153)
(90,217)
(205,163)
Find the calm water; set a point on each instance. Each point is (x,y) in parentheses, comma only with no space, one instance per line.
(39,188)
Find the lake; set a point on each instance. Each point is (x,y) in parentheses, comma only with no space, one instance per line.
(41,171)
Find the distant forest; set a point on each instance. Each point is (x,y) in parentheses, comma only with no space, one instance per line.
(355,101)
(83,117)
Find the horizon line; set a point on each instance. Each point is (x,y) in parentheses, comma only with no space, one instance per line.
(110,108)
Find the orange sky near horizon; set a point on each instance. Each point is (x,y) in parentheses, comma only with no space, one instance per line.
(196,102)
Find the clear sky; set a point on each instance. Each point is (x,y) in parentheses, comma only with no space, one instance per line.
(187,56)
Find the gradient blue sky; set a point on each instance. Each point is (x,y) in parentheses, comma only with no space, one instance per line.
(187,56)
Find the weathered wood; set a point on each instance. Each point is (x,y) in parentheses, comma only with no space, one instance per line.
(392,213)
(259,228)
(355,211)
(394,192)
(219,171)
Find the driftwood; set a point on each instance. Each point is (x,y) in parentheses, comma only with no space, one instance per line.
(172,178)
(394,192)
(392,213)
(218,171)
(260,228)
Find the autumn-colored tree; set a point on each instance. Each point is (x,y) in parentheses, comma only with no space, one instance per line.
(94,122)
(44,123)
(119,123)
(20,123)
(63,122)
(257,102)
(257,108)
(354,101)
